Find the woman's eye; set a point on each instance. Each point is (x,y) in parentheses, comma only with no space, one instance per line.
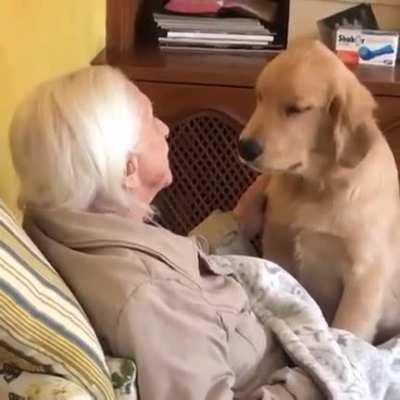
(294,110)
(259,97)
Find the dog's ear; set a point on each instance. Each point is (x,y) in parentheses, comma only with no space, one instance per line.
(351,107)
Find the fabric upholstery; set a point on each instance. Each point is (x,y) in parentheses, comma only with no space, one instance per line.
(42,326)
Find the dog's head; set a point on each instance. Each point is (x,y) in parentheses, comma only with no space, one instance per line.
(310,107)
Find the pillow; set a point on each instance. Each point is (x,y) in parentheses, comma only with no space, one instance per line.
(42,326)
(21,385)
(123,377)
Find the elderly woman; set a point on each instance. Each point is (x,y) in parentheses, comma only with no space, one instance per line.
(91,156)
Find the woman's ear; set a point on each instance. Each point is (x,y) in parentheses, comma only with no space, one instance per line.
(351,106)
(131,178)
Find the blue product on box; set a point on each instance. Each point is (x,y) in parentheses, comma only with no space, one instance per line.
(367,46)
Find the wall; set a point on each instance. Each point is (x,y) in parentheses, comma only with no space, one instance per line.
(305,13)
(40,39)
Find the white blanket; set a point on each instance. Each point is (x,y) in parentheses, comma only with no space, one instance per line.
(342,366)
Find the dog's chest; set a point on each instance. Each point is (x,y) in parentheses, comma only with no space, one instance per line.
(292,212)
(301,245)
(320,261)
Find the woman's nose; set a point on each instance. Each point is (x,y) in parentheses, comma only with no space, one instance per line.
(163,127)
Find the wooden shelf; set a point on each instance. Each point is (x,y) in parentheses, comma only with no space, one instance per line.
(226,69)
(236,69)
(132,46)
(381,80)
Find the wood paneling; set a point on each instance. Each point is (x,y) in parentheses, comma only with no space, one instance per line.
(173,102)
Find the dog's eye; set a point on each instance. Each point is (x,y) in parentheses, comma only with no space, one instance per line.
(294,110)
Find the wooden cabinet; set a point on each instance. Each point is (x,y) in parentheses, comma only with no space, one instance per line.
(172,101)
(206,98)
(389,120)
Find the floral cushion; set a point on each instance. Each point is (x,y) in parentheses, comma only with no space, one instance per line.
(20,385)
(123,377)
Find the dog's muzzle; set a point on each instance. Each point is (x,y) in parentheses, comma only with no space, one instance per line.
(249,149)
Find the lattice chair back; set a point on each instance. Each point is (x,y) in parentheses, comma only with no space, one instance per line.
(207,172)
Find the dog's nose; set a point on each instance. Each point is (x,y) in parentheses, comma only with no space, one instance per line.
(249,149)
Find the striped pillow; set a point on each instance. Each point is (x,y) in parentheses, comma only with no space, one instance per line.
(42,326)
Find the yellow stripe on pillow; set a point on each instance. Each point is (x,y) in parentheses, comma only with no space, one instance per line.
(41,323)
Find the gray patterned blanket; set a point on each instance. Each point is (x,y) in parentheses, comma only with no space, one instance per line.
(342,366)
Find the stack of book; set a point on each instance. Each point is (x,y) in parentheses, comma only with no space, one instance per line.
(205,32)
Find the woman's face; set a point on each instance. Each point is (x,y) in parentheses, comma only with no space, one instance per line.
(151,165)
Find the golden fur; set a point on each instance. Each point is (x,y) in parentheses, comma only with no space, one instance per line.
(333,200)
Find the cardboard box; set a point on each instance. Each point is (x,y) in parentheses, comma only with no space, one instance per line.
(355,46)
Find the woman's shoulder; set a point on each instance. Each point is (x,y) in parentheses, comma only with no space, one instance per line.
(136,267)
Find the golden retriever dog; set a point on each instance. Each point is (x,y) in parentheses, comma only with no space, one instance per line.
(332,217)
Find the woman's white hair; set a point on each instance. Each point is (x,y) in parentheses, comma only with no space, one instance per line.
(71,137)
